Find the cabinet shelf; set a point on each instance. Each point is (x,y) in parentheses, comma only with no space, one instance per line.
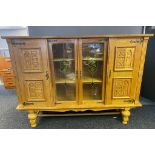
(87,79)
(96,59)
(62,81)
(84,59)
(62,59)
(84,80)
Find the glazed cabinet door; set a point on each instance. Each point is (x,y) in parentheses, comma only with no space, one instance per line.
(63,62)
(122,70)
(92,60)
(31,60)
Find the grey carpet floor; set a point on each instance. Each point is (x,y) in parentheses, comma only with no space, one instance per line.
(10,118)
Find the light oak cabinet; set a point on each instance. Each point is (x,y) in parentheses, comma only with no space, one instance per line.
(60,74)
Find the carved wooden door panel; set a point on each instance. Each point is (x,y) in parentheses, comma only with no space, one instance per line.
(122,70)
(31,57)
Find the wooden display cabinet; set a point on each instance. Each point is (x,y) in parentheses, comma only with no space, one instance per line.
(79,73)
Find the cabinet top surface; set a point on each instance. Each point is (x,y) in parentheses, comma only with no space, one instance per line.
(74,37)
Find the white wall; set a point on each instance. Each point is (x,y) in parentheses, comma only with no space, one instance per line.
(82,30)
(10,32)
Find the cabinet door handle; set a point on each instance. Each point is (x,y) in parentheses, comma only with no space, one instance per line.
(110,73)
(80,74)
(47,75)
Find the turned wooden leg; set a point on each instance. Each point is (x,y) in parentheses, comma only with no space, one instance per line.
(125,115)
(32,116)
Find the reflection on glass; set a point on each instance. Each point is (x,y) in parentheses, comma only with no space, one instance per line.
(92,70)
(63,51)
(92,51)
(64,71)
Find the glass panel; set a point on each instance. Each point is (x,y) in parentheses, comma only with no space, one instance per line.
(90,93)
(64,71)
(65,92)
(63,51)
(92,70)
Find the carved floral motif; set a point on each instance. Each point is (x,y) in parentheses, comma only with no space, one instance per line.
(124,58)
(121,88)
(35,89)
(31,59)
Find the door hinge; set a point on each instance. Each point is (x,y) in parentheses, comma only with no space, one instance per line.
(130,100)
(28,103)
(47,75)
